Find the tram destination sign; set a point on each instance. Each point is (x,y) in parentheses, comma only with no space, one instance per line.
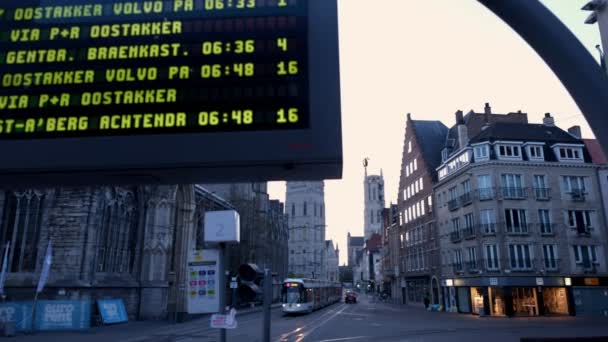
(168,91)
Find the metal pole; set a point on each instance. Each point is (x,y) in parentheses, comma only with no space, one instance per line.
(222,286)
(267,302)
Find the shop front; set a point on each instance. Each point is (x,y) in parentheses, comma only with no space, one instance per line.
(417,289)
(511,296)
(590,296)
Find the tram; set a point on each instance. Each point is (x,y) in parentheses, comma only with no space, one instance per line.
(306,295)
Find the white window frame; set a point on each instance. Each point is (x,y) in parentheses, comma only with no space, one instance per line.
(550,257)
(517,253)
(545,219)
(536,147)
(481,152)
(587,218)
(472,257)
(491,254)
(575,152)
(512,151)
(458,259)
(491,217)
(591,253)
(522,217)
(574,183)
(415,164)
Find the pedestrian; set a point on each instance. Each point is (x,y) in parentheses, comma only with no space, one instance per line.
(427,301)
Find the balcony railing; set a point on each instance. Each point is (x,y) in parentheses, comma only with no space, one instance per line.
(587,267)
(453,204)
(466,199)
(485,194)
(542,194)
(472,266)
(547,229)
(551,265)
(577,195)
(519,265)
(521,229)
(468,232)
(455,237)
(457,268)
(513,193)
(488,229)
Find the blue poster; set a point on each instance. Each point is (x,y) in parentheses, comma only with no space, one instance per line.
(63,315)
(112,311)
(18,312)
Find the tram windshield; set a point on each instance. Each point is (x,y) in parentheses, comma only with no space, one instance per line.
(293,293)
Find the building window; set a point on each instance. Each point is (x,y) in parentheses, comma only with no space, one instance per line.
(488,221)
(516,221)
(21,226)
(456,226)
(117,236)
(481,152)
(421,183)
(550,256)
(293,209)
(468,224)
(430,203)
(509,151)
(315,209)
(422,207)
(570,154)
(540,187)
(457,260)
(519,256)
(491,256)
(304,210)
(472,255)
(415,164)
(371,217)
(416,188)
(585,255)
(512,186)
(484,184)
(574,185)
(409,146)
(545,221)
(535,152)
(581,220)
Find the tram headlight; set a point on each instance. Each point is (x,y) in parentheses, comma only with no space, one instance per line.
(297,305)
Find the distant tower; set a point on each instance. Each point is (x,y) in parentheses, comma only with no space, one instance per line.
(305,206)
(374,202)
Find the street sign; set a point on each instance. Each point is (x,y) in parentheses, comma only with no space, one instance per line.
(222,226)
(177,91)
(203,285)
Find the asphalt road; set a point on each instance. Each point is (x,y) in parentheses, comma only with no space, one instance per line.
(367,320)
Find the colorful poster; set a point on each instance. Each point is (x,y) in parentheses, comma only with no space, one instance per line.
(112,311)
(202,282)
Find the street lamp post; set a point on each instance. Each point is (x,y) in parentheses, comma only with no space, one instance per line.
(599,15)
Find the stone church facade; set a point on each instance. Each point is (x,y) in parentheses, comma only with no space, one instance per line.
(108,242)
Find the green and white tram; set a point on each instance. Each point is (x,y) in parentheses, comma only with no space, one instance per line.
(306,295)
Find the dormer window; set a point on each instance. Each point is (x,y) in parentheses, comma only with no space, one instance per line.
(481,152)
(569,153)
(535,152)
(508,151)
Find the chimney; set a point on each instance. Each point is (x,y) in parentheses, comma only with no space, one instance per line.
(548,120)
(409,116)
(575,131)
(459,118)
(463,134)
(487,109)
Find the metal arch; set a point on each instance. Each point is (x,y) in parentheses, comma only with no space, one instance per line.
(584,79)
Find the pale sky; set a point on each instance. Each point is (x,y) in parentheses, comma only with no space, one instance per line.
(430,58)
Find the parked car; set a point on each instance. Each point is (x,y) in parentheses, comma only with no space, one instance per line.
(350,297)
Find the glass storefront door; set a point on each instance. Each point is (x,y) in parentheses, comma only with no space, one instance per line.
(477,300)
(497,301)
(525,302)
(555,301)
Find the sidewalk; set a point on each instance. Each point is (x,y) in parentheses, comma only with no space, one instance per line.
(131,331)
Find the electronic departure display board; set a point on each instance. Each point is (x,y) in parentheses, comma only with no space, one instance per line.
(173,91)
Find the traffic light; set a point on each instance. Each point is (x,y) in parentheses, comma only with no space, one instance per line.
(250,279)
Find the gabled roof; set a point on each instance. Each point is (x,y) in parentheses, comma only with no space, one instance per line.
(431,137)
